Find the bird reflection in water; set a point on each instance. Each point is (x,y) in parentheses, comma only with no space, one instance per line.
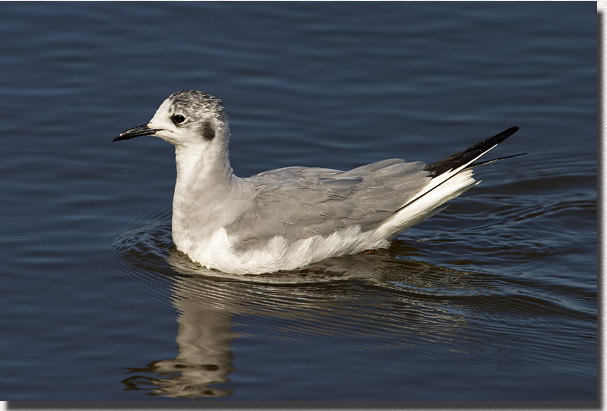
(207,305)
(205,359)
(203,339)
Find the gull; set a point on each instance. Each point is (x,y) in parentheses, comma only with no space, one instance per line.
(288,218)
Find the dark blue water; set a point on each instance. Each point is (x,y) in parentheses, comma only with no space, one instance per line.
(494,299)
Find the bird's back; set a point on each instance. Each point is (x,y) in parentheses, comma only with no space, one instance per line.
(300,202)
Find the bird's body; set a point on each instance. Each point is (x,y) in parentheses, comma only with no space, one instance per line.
(290,217)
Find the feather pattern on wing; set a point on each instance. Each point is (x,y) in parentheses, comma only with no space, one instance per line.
(300,202)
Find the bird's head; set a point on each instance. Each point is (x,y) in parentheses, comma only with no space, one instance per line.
(186,118)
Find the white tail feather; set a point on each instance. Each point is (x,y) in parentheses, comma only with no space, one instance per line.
(427,204)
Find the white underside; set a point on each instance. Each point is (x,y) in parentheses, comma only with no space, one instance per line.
(218,251)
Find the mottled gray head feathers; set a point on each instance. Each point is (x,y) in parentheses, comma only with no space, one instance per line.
(195,104)
(191,117)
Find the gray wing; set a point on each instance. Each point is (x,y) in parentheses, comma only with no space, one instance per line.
(300,202)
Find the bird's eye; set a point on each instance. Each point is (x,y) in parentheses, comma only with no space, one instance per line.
(177,118)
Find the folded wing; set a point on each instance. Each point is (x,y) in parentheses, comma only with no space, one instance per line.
(300,202)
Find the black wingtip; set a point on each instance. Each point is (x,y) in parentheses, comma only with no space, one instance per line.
(504,134)
(462,157)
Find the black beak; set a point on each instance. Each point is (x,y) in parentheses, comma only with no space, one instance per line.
(138,131)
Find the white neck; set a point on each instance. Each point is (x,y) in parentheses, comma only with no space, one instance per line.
(200,167)
(205,185)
